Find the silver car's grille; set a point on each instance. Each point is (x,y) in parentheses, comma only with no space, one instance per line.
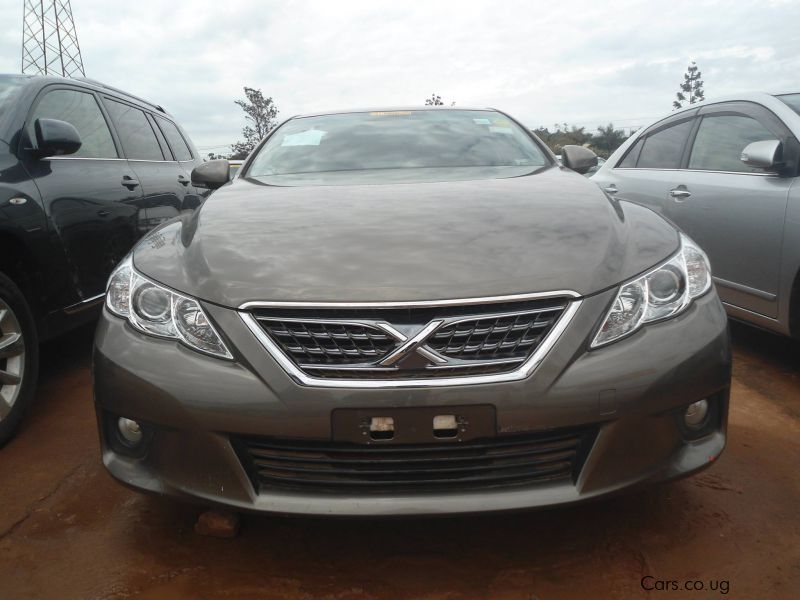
(409,343)
(509,336)
(318,342)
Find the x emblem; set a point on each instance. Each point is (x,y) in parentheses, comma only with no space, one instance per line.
(411,344)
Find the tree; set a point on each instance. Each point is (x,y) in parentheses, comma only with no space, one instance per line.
(213,156)
(261,116)
(434,100)
(563,135)
(691,90)
(607,139)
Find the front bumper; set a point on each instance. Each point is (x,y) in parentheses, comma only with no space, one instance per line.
(631,393)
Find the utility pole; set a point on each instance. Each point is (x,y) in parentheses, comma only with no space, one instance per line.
(49,39)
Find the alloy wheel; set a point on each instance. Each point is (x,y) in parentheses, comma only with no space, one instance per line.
(12,359)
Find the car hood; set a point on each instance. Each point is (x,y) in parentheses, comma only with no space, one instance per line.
(405,242)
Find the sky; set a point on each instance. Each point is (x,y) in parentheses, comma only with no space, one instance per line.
(585,63)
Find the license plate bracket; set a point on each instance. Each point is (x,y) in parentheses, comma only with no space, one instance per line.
(413,425)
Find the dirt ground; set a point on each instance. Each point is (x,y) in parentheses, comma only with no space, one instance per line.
(67,530)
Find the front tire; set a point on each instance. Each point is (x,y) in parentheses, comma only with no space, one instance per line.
(19,357)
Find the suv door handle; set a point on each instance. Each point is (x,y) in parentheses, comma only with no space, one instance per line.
(612,189)
(680,194)
(129,182)
(183,180)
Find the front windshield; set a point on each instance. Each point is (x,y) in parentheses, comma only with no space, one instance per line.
(792,100)
(396,146)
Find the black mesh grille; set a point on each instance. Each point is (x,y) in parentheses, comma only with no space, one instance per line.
(332,467)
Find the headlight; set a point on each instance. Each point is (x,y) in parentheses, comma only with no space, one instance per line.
(659,294)
(156,310)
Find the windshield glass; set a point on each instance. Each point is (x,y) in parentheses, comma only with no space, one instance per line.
(792,100)
(396,146)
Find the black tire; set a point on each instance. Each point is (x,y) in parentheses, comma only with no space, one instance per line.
(12,298)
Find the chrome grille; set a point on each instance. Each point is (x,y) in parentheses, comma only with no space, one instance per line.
(318,342)
(503,336)
(396,343)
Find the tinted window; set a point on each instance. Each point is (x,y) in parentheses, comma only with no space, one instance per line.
(630,158)
(83,113)
(399,145)
(721,139)
(138,139)
(175,140)
(9,86)
(663,149)
(792,101)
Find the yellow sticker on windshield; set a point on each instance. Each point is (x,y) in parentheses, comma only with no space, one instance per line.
(390,113)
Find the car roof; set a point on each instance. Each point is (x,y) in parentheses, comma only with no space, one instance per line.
(768,100)
(391,109)
(98,86)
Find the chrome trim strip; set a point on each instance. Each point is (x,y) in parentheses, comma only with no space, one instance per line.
(697,171)
(81,158)
(524,370)
(503,315)
(412,303)
(366,324)
(84,304)
(359,368)
(746,289)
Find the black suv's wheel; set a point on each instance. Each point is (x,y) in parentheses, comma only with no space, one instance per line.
(19,357)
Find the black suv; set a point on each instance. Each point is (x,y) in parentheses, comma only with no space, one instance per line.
(85,171)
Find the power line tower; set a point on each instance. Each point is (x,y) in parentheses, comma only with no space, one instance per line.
(49,39)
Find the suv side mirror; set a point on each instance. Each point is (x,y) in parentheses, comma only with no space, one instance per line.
(55,138)
(578,158)
(767,154)
(211,175)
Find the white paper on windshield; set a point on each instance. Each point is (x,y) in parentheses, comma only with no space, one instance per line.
(311,137)
(506,130)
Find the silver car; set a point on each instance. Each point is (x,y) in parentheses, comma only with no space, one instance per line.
(726,173)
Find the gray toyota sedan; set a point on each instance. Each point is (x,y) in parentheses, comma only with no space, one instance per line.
(409,311)
(727,173)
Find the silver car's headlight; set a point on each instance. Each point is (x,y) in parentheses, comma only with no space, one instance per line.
(663,292)
(153,309)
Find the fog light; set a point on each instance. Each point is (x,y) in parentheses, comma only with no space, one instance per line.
(130,431)
(695,415)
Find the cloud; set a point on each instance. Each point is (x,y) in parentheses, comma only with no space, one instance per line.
(583,62)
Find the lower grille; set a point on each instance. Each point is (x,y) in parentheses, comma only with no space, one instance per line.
(331,467)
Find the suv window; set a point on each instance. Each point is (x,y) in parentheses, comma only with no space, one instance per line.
(138,139)
(79,109)
(175,140)
(720,140)
(629,161)
(663,149)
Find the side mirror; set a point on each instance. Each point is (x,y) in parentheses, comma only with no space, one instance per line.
(578,158)
(55,138)
(767,154)
(211,175)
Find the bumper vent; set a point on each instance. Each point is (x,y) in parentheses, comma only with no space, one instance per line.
(388,344)
(343,467)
